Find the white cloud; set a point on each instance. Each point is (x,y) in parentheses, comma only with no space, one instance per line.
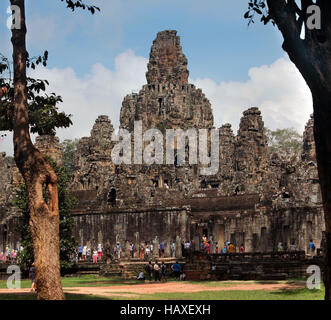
(278,90)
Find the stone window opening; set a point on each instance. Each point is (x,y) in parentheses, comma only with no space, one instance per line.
(155,183)
(160,105)
(285,195)
(176,161)
(215,185)
(203,184)
(112,197)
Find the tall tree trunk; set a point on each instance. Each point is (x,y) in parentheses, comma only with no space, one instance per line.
(40,179)
(312,57)
(322,132)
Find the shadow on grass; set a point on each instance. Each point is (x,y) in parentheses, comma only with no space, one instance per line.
(293,292)
(31,296)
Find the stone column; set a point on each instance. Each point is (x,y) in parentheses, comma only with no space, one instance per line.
(167,251)
(156,244)
(178,247)
(249,243)
(126,250)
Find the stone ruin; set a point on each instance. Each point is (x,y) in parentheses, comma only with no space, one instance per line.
(256,198)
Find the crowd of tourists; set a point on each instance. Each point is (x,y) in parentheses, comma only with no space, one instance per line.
(208,247)
(10,255)
(283,247)
(146,251)
(158,272)
(86,253)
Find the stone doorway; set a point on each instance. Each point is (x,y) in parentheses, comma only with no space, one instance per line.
(220,230)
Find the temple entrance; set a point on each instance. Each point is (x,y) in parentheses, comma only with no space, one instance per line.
(112,197)
(220,235)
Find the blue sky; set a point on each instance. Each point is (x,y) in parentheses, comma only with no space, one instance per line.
(215,37)
(236,66)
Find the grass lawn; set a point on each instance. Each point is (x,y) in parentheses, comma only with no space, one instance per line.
(296,294)
(97,281)
(83,281)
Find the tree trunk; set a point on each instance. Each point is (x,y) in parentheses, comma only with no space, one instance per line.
(312,57)
(322,132)
(40,179)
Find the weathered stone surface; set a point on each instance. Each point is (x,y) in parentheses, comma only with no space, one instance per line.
(167,63)
(256,198)
(50,145)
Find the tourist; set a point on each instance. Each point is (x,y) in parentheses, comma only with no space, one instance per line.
(32,276)
(280,247)
(311,247)
(80,252)
(162,246)
(202,246)
(88,254)
(12,255)
(176,269)
(118,250)
(242,248)
(187,248)
(95,256)
(131,250)
(147,252)
(156,271)
(141,276)
(84,252)
(141,251)
(207,247)
(149,270)
(231,248)
(224,250)
(163,271)
(293,247)
(216,248)
(173,249)
(99,251)
(151,248)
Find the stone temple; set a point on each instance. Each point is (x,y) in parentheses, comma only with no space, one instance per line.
(256,198)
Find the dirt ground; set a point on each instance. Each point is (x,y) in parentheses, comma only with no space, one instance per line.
(131,291)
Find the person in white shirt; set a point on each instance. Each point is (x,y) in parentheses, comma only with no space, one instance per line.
(99,251)
(84,252)
(157,271)
(147,252)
